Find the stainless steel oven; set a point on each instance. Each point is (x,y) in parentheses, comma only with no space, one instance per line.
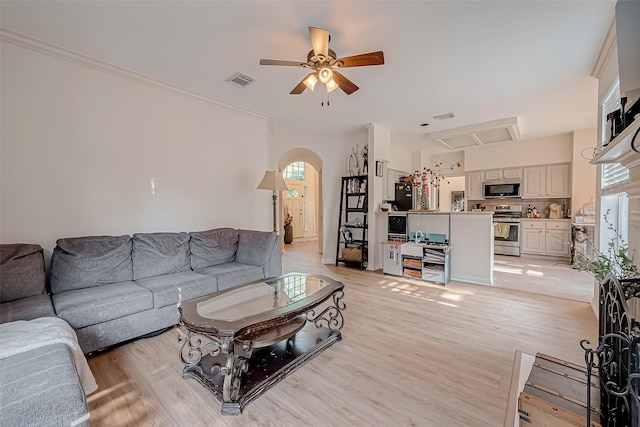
(506,229)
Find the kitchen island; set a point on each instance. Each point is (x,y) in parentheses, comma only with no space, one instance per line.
(469,236)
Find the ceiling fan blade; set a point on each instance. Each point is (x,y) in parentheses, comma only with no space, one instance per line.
(345,84)
(301,86)
(278,62)
(373,58)
(319,41)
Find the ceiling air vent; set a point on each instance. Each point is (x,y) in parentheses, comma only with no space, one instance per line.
(240,79)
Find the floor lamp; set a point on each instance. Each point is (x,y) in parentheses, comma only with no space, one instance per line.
(273,181)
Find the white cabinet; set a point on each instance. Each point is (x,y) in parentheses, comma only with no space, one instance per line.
(545,237)
(533,183)
(532,237)
(473,185)
(557,238)
(513,173)
(558,181)
(493,174)
(546,181)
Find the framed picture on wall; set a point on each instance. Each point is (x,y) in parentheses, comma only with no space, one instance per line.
(378,168)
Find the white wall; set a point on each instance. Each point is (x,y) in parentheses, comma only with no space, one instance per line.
(333,149)
(80,147)
(554,149)
(448,160)
(453,183)
(583,184)
(400,159)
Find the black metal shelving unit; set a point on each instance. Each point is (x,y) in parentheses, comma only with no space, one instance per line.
(352,222)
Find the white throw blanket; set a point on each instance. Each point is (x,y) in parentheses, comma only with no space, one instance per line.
(27,335)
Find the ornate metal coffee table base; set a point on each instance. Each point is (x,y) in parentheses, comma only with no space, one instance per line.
(263,368)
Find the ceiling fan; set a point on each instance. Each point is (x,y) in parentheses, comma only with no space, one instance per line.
(324,62)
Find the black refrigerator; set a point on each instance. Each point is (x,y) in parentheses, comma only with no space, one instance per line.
(404,192)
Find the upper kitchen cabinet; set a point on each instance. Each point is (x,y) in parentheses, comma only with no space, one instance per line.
(558,184)
(546,181)
(474,181)
(513,173)
(533,184)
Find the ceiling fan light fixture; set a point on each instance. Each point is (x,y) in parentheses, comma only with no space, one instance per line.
(310,82)
(325,74)
(331,85)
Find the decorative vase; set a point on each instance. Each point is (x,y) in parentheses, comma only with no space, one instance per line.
(424,199)
(288,234)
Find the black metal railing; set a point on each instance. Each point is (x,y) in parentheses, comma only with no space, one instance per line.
(617,358)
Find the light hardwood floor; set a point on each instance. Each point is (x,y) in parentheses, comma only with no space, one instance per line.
(412,354)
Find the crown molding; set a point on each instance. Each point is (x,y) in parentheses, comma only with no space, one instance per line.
(608,47)
(97,65)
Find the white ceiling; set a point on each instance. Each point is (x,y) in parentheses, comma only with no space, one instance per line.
(482,60)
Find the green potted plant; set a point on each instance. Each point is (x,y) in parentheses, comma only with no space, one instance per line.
(617,262)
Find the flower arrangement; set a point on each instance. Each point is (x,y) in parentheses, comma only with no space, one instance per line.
(288,220)
(429,177)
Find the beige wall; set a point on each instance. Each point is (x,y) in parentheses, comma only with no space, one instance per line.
(81,148)
(554,149)
(332,150)
(583,184)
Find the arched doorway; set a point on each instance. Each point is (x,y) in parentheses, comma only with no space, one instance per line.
(300,202)
(304,199)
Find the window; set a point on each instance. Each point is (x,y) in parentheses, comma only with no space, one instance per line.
(613,203)
(295,171)
(612,173)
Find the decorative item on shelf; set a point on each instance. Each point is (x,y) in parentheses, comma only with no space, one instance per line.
(352,163)
(365,159)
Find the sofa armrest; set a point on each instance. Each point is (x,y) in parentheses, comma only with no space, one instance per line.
(275,260)
(262,249)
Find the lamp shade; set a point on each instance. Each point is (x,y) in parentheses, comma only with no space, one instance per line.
(272,181)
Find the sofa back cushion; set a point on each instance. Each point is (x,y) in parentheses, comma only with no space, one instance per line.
(21,271)
(84,262)
(213,247)
(157,254)
(256,247)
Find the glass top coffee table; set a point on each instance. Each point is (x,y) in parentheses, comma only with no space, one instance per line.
(243,340)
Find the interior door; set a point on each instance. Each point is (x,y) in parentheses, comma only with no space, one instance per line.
(293,206)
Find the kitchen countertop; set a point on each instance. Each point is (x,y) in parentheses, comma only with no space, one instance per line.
(552,219)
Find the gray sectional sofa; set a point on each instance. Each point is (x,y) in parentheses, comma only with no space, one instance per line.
(111,289)
(37,388)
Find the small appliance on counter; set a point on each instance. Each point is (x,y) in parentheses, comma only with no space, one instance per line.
(556,210)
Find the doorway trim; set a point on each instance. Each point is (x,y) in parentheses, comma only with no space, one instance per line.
(301,154)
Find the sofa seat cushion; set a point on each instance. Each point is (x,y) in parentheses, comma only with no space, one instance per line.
(233,274)
(41,388)
(213,247)
(170,289)
(82,262)
(27,309)
(155,254)
(85,307)
(21,271)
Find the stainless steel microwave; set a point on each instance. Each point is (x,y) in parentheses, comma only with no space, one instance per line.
(502,189)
